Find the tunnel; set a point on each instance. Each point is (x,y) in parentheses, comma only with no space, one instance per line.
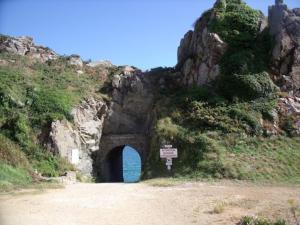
(121,164)
(113,171)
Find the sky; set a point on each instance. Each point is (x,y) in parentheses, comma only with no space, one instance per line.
(143,33)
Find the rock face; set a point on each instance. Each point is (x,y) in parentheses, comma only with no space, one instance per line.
(200,52)
(289,112)
(128,117)
(76,142)
(24,46)
(98,128)
(104,63)
(285,27)
(75,60)
(131,105)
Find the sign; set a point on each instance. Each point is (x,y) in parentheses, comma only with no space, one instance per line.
(75,156)
(169,162)
(168,152)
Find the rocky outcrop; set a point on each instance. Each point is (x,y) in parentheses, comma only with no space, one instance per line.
(285,27)
(200,52)
(75,60)
(78,140)
(104,63)
(289,114)
(24,46)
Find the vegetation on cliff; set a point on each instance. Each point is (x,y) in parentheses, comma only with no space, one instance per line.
(32,95)
(219,130)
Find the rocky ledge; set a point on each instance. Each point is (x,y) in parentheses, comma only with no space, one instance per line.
(24,45)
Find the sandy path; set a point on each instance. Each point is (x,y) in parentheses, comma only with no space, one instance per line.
(141,204)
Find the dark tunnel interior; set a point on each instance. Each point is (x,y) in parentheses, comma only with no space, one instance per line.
(113,169)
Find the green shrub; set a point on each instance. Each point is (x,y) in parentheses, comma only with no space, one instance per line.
(288,125)
(52,104)
(248,87)
(6,186)
(248,53)
(22,132)
(236,22)
(51,166)
(245,116)
(247,220)
(10,153)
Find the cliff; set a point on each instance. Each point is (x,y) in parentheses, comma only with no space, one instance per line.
(230,91)
(284,26)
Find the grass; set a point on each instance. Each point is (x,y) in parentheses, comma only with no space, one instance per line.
(219,208)
(264,159)
(13,177)
(16,178)
(164,182)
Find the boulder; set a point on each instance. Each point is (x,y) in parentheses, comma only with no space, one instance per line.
(199,53)
(75,60)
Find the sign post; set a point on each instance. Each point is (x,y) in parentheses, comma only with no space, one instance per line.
(168,152)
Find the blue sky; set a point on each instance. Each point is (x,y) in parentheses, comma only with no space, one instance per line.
(143,33)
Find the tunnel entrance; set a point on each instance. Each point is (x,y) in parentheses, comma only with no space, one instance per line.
(120,164)
(113,165)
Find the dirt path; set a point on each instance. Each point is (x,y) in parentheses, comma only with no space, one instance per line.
(134,204)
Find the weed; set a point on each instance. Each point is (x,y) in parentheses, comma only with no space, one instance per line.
(219,208)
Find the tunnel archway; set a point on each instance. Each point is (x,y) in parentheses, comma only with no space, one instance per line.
(122,164)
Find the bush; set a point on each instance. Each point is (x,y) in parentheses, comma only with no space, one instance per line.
(51,166)
(236,23)
(52,104)
(13,176)
(11,154)
(247,87)
(248,54)
(247,220)
(245,116)
(288,125)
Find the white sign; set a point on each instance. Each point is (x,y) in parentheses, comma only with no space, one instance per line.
(75,156)
(169,162)
(168,146)
(168,153)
